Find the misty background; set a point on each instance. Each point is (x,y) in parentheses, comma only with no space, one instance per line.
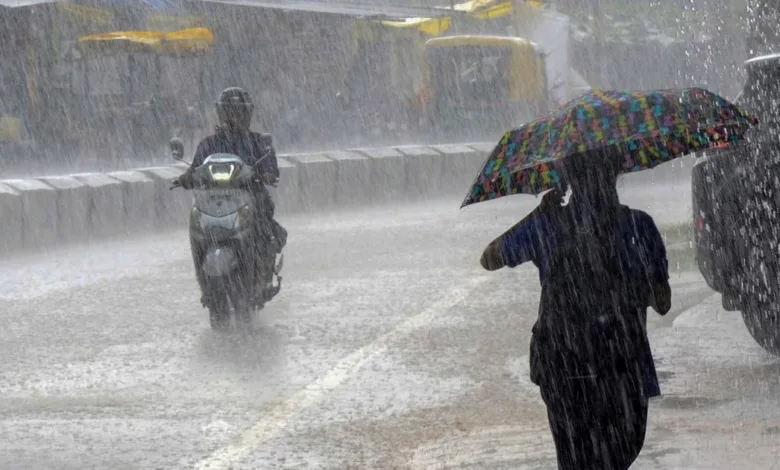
(321,80)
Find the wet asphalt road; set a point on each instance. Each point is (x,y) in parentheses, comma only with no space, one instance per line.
(388,348)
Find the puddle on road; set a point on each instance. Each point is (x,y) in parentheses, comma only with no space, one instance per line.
(679,402)
(497,447)
(512,447)
(684,298)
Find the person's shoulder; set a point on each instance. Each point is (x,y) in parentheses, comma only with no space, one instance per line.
(259,135)
(637,214)
(643,221)
(209,140)
(262,138)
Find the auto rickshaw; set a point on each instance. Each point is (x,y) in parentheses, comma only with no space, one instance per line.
(479,86)
(131,91)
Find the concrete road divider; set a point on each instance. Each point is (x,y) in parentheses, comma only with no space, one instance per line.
(461,165)
(94,206)
(11,227)
(72,207)
(139,198)
(387,180)
(286,194)
(106,213)
(316,174)
(484,148)
(353,178)
(424,170)
(172,207)
(39,212)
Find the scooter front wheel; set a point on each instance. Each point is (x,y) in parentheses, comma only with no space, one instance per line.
(219,313)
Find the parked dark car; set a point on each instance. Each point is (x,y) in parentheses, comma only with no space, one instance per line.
(736,202)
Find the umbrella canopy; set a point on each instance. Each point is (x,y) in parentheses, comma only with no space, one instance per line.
(23,3)
(645,128)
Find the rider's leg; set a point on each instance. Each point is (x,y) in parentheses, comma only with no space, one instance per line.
(266,202)
(197,261)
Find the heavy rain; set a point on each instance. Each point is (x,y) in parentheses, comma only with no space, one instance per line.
(389,234)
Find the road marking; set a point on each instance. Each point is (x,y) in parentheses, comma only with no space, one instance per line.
(276,419)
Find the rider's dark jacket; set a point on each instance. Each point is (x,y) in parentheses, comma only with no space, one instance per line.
(248,145)
(251,147)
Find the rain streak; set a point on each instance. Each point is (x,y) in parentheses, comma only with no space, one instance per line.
(389,234)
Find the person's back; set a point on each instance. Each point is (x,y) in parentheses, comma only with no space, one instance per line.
(590,283)
(590,349)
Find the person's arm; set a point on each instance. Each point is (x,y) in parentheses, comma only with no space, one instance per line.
(518,244)
(661,298)
(268,165)
(660,292)
(201,153)
(513,248)
(272,164)
(492,258)
(185,179)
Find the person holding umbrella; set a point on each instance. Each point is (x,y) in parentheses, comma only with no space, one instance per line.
(590,229)
(601,264)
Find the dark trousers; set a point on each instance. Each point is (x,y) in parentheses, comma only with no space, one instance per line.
(596,424)
(266,206)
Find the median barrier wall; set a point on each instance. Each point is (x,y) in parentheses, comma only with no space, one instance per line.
(316,174)
(40,213)
(387,179)
(353,178)
(105,206)
(287,194)
(72,207)
(461,165)
(138,196)
(171,206)
(11,227)
(423,169)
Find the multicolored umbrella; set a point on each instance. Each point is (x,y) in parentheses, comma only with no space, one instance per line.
(646,127)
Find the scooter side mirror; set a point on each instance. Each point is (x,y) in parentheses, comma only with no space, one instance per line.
(177,149)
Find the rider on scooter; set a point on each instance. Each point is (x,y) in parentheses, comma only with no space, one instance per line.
(234,109)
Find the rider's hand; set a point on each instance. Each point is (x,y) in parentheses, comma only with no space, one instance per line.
(175,183)
(183,181)
(268,178)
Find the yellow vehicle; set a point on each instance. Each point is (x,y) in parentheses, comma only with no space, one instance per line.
(384,76)
(482,84)
(442,77)
(130,91)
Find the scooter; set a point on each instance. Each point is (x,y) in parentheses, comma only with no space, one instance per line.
(231,256)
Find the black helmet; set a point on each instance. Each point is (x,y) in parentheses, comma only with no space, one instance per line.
(234,108)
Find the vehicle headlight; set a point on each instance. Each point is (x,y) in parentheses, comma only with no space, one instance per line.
(244,218)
